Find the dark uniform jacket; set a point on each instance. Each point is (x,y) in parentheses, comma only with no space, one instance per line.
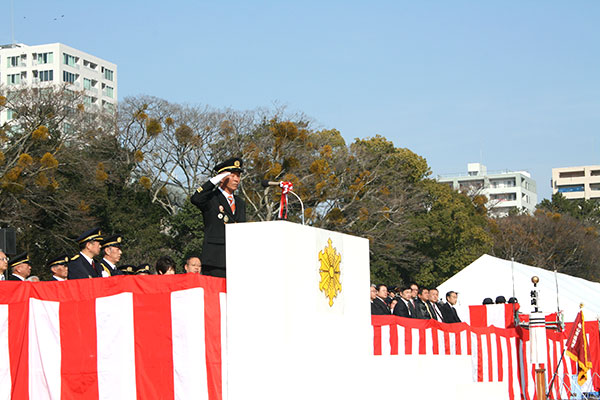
(12,277)
(449,313)
(105,266)
(80,268)
(402,310)
(379,307)
(216,212)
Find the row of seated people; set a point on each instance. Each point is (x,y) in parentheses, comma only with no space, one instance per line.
(413,302)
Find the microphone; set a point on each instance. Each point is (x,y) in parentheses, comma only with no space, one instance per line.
(267,183)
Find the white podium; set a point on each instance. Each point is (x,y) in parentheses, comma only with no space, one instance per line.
(286,338)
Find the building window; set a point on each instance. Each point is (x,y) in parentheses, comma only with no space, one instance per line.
(108,91)
(87,83)
(69,77)
(595,172)
(502,183)
(470,185)
(108,106)
(108,74)
(69,60)
(10,114)
(503,196)
(45,58)
(570,188)
(46,76)
(12,62)
(571,174)
(89,100)
(13,79)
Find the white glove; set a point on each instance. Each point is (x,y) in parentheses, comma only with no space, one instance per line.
(216,179)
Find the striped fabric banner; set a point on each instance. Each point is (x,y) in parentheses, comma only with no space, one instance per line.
(125,337)
(498,355)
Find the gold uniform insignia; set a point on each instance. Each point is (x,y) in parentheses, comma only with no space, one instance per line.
(226,219)
(236,164)
(330,272)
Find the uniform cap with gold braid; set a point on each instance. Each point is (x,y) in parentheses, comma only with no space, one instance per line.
(88,236)
(114,241)
(127,269)
(232,165)
(142,269)
(22,258)
(60,260)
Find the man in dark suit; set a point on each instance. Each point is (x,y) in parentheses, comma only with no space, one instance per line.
(404,308)
(59,268)
(421,304)
(82,265)
(111,246)
(448,310)
(379,305)
(19,267)
(220,206)
(434,304)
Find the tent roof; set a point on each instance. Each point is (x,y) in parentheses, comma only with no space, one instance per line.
(490,277)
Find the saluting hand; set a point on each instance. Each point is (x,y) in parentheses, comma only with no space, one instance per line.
(216,179)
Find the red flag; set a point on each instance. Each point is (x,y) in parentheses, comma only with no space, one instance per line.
(577,348)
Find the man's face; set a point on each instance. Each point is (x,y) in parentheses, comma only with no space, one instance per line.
(373,293)
(231,182)
(93,247)
(3,262)
(414,291)
(61,270)
(113,254)
(452,298)
(23,270)
(382,292)
(424,295)
(434,295)
(407,294)
(193,265)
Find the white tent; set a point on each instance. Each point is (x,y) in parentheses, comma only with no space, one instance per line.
(490,277)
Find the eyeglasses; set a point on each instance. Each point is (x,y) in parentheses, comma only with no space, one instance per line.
(4,258)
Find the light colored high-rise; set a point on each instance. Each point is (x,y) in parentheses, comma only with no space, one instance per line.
(505,190)
(56,64)
(577,182)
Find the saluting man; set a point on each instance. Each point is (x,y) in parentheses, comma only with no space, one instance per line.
(220,206)
(59,268)
(112,255)
(82,265)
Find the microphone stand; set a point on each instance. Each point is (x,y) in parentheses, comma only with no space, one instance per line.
(301,205)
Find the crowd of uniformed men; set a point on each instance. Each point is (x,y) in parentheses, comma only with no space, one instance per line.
(98,256)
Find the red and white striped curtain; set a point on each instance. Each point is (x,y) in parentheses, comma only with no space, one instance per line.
(498,355)
(126,337)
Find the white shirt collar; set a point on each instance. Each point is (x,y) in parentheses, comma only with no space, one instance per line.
(58,278)
(90,260)
(18,276)
(226,194)
(109,263)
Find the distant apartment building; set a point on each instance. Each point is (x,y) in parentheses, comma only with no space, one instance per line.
(505,190)
(577,182)
(56,63)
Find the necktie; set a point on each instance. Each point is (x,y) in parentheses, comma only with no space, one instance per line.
(231,203)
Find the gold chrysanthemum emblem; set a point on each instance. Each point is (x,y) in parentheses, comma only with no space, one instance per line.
(330,283)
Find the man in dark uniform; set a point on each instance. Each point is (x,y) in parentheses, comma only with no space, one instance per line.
(20,267)
(111,246)
(448,311)
(219,206)
(127,269)
(59,268)
(82,265)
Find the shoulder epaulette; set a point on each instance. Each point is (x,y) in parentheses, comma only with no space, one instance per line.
(75,257)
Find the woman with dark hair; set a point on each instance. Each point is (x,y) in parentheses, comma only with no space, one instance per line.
(165,266)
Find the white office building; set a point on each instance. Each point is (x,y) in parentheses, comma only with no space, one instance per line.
(505,190)
(55,64)
(577,182)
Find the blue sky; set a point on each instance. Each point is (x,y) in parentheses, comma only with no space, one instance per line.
(512,84)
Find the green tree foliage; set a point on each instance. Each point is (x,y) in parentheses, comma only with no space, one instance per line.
(549,240)
(454,233)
